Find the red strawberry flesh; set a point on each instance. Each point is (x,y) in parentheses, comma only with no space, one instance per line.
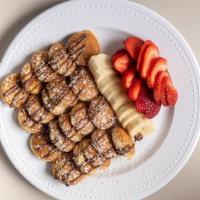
(133,46)
(157,65)
(118,53)
(145,104)
(134,89)
(141,54)
(157,85)
(171,94)
(122,62)
(150,52)
(128,77)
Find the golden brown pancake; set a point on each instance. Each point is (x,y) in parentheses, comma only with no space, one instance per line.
(82,45)
(42,71)
(42,147)
(27,123)
(11,91)
(60,61)
(28,80)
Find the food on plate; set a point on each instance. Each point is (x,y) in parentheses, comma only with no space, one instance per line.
(57,97)
(83,107)
(133,46)
(149,51)
(83,85)
(65,170)
(90,154)
(79,118)
(42,147)
(109,84)
(81,46)
(78,122)
(145,104)
(128,77)
(122,141)
(27,123)
(60,61)
(150,67)
(135,88)
(101,113)
(58,138)
(40,66)
(11,91)
(29,81)
(121,60)
(36,110)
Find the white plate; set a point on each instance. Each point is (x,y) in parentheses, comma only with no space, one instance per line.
(160,156)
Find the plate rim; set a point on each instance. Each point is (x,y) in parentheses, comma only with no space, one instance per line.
(173,30)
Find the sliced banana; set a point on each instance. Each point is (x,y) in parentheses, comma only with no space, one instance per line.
(109,85)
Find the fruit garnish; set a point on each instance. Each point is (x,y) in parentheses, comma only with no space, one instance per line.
(133,46)
(157,65)
(128,77)
(171,93)
(134,89)
(121,60)
(146,104)
(119,53)
(151,68)
(149,52)
(157,85)
(163,96)
(141,53)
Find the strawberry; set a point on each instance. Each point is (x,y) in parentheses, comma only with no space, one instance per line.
(128,77)
(157,65)
(163,96)
(133,46)
(140,57)
(134,89)
(157,85)
(119,53)
(121,60)
(171,93)
(149,52)
(145,104)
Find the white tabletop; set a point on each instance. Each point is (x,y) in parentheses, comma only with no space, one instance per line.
(183,14)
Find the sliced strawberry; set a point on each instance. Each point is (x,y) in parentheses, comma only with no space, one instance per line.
(121,60)
(141,54)
(157,65)
(133,46)
(163,95)
(145,104)
(171,94)
(119,53)
(134,89)
(149,53)
(157,85)
(128,77)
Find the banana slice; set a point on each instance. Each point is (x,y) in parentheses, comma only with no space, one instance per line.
(109,85)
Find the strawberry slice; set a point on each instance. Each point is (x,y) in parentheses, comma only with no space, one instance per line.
(157,65)
(134,89)
(119,53)
(163,95)
(128,77)
(140,57)
(133,46)
(171,93)
(145,104)
(149,52)
(121,60)
(157,85)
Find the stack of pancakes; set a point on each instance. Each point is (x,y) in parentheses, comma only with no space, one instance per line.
(57,101)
